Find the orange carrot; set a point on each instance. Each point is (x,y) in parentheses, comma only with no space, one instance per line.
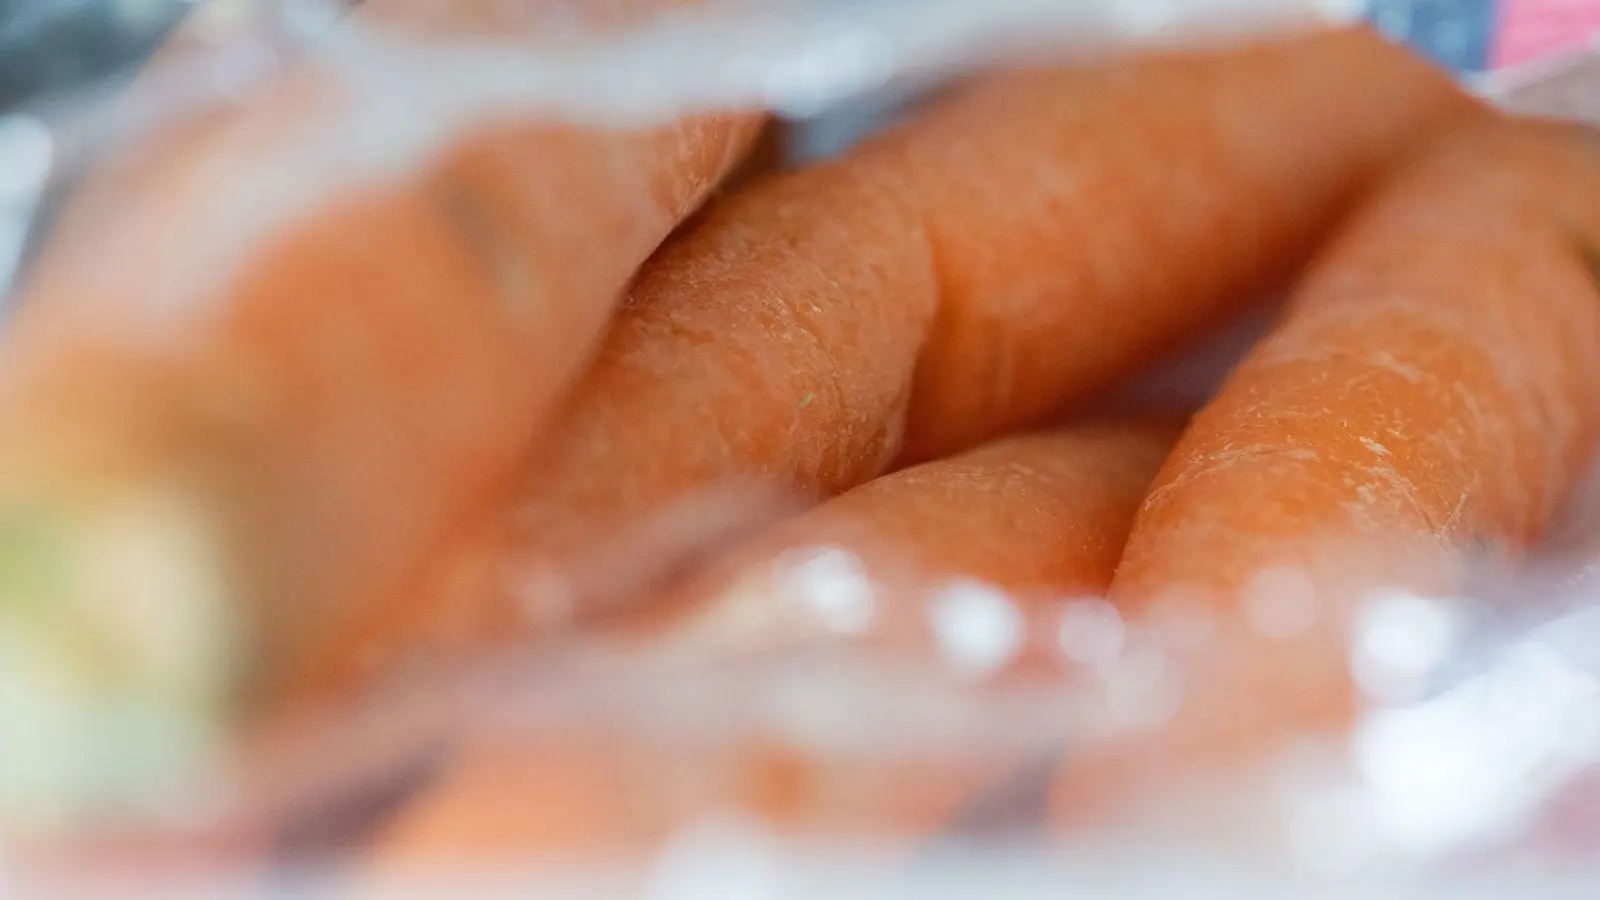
(718,366)
(1431,394)
(565,797)
(1433,391)
(1040,517)
(976,269)
(1144,204)
(207,462)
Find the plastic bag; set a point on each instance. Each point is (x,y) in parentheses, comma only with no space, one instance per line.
(878,752)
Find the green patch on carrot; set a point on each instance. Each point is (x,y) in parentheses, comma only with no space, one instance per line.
(30,563)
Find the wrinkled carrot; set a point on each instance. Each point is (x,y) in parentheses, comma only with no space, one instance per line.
(1432,391)
(1431,395)
(1145,202)
(1040,517)
(208,462)
(723,355)
(975,269)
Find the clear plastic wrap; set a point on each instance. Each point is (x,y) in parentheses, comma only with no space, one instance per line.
(835,736)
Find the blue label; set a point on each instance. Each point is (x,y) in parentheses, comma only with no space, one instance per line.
(1457,34)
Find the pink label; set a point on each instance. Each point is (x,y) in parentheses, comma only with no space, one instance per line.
(1529,29)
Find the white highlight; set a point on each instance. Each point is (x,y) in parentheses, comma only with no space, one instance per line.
(1473,764)
(977,626)
(1281,603)
(832,584)
(1092,632)
(1329,834)
(1144,688)
(27,153)
(1182,618)
(1399,639)
(715,858)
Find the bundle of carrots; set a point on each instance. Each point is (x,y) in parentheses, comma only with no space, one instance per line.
(440,417)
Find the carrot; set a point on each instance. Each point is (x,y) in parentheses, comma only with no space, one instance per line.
(1007,253)
(1430,393)
(205,463)
(1430,396)
(1149,201)
(567,797)
(718,366)
(1040,517)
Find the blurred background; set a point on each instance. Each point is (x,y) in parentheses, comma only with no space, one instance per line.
(47,46)
(48,50)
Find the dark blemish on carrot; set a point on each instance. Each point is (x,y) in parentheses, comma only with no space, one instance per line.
(1011,806)
(1489,553)
(1590,255)
(345,822)
(470,217)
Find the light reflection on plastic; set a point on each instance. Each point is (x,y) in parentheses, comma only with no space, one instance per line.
(1145,19)
(309,18)
(1473,763)
(1328,832)
(1181,617)
(1091,632)
(1144,687)
(832,583)
(1576,636)
(1399,639)
(860,57)
(721,857)
(1281,603)
(27,152)
(244,68)
(978,628)
(141,16)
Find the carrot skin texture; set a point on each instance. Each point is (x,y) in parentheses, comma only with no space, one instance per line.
(1146,202)
(283,403)
(1043,513)
(389,386)
(1041,516)
(378,362)
(1036,238)
(1432,392)
(736,353)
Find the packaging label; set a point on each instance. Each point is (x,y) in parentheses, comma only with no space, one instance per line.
(1477,36)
